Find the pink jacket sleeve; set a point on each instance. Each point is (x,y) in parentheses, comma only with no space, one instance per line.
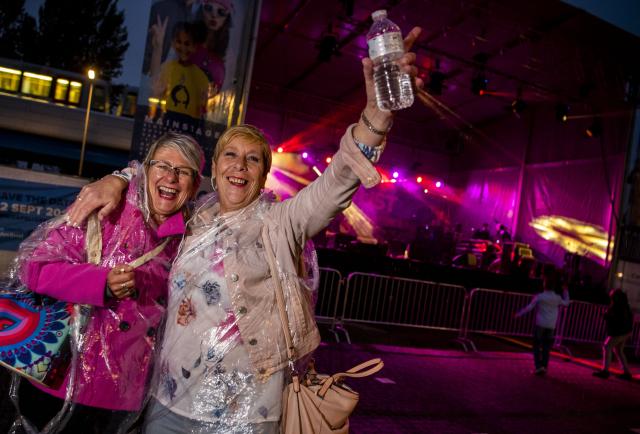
(58,269)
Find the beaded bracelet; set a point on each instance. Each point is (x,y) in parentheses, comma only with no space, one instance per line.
(373,129)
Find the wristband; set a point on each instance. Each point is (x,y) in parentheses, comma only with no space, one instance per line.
(372,153)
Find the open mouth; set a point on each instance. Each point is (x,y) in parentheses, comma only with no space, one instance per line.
(237,181)
(167,193)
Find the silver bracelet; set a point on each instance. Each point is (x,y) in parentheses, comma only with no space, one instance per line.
(373,129)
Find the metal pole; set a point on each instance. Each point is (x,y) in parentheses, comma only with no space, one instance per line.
(86,128)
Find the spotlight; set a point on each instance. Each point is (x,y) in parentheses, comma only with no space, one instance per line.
(396,174)
(305,155)
(479,84)
(595,129)
(438,184)
(562,111)
(426,191)
(517,106)
(419,179)
(280,149)
(327,160)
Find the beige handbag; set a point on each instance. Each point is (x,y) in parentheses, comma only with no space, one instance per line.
(314,403)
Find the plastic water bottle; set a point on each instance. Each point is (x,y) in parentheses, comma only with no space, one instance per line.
(394,90)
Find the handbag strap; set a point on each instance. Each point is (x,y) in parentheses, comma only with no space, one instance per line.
(284,319)
(93,240)
(93,244)
(362,370)
(149,255)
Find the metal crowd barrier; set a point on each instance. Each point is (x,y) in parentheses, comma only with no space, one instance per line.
(582,322)
(329,290)
(329,293)
(492,312)
(372,298)
(378,299)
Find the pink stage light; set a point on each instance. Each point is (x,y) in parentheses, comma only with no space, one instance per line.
(426,191)
(396,174)
(305,155)
(438,184)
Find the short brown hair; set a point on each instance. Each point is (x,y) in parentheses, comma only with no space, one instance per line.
(247,132)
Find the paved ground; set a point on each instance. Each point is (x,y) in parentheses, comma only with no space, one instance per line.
(448,391)
(429,385)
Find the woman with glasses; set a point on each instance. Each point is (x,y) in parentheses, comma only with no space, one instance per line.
(113,366)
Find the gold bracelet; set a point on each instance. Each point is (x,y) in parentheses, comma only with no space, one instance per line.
(373,129)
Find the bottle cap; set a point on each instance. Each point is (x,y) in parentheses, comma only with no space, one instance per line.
(382,13)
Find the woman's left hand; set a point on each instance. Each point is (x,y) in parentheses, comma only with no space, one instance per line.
(380,119)
(121,281)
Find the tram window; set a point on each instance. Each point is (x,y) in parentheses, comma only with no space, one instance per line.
(99,100)
(36,85)
(9,79)
(130,105)
(74,92)
(61,90)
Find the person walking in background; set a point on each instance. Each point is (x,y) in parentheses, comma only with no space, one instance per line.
(546,304)
(619,320)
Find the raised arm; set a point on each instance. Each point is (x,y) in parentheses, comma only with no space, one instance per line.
(104,194)
(527,308)
(314,206)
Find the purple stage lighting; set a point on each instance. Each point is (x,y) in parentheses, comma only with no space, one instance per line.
(396,174)
(438,184)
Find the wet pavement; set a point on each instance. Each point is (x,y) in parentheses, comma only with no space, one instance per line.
(430,385)
(448,391)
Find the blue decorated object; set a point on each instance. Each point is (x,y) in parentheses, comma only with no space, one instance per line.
(34,336)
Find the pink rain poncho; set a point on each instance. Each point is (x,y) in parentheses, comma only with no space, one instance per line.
(113,356)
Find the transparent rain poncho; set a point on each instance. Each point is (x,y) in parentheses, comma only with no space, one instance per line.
(113,345)
(206,380)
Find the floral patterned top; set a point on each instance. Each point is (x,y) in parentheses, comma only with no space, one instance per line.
(204,367)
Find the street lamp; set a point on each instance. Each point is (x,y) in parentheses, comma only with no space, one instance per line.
(91,73)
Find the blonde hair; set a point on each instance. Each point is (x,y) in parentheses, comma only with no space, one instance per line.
(252,135)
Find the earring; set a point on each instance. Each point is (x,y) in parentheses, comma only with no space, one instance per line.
(213,183)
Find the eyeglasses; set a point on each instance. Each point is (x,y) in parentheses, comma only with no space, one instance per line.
(217,10)
(165,169)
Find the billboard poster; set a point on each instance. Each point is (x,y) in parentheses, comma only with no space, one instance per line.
(196,70)
(30,198)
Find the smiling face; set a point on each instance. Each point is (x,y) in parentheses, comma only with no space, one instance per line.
(168,191)
(183,46)
(240,173)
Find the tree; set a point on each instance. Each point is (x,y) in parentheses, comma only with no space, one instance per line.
(76,34)
(17,30)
